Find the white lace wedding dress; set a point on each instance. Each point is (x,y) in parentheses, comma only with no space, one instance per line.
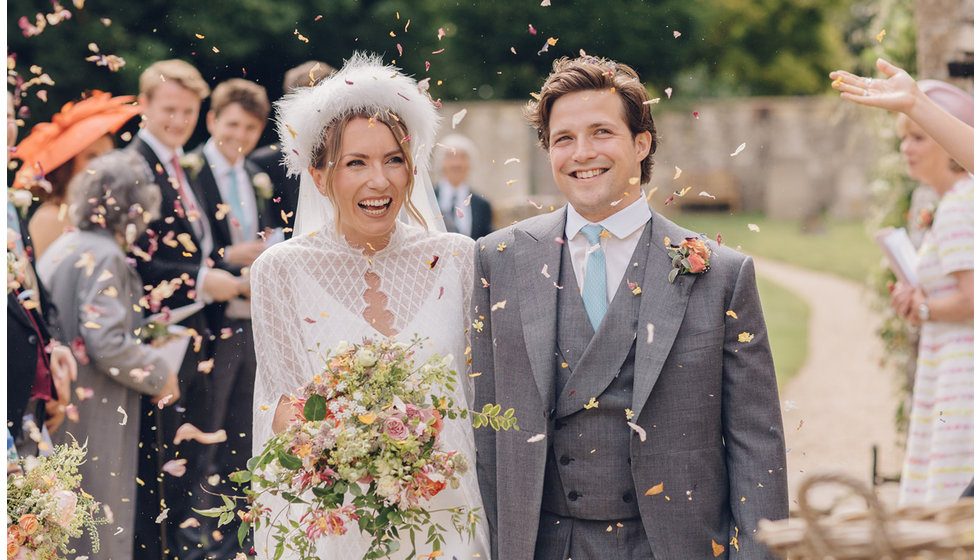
(308,295)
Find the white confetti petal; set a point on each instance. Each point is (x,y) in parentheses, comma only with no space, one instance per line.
(649,333)
(669,91)
(753,227)
(639,430)
(512,160)
(738,150)
(544,271)
(163,515)
(458,117)
(535,438)
(705,194)
(125,417)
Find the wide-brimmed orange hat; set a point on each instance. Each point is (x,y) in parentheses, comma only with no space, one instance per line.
(75,128)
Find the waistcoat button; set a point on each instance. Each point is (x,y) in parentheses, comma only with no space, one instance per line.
(573,495)
(565,459)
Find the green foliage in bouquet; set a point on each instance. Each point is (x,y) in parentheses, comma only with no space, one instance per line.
(46,506)
(363,449)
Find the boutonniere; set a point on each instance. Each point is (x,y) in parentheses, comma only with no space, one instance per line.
(263,189)
(193,163)
(925,217)
(22,198)
(692,256)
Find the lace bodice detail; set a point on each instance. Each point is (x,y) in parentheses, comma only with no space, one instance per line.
(308,295)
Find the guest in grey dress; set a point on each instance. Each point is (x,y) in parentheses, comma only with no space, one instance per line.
(100,297)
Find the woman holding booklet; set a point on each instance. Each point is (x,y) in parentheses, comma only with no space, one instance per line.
(936,146)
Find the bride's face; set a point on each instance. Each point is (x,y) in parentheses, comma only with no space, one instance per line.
(370,183)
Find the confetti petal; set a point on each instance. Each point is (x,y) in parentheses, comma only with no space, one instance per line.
(458,117)
(738,150)
(717,549)
(731,314)
(175,467)
(677,34)
(639,430)
(654,490)
(753,227)
(535,438)
(745,337)
(125,417)
(188,431)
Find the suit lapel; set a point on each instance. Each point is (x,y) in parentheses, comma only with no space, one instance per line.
(535,248)
(207,191)
(662,305)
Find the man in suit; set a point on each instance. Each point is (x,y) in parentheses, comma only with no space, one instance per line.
(173,259)
(463,211)
(269,158)
(237,196)
(649,416)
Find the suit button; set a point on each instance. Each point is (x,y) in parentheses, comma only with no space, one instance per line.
(565,459)
(573,495)
(32,340)
(627,497)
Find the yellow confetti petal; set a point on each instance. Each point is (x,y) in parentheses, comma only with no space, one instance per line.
(837,81)
(731,314)
(677,172)
(502,246)
(629,414)
(592,403)
(745,337)
(368,418)
(654,490)
(498,305)
(880,35)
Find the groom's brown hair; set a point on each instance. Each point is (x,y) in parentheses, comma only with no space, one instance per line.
(592,73)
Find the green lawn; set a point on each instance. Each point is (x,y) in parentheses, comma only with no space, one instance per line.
(787,317)
(844,248)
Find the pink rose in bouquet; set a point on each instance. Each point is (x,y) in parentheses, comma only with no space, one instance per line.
(395,428)
(65,502)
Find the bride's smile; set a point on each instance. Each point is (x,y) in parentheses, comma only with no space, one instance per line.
(369,183)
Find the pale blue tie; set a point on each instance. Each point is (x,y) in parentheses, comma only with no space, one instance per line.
(237,208)
(594,287)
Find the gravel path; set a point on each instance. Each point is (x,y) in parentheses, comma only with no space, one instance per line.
(842,401)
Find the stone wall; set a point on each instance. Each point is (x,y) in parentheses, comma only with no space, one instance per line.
(945,35)
(804,157)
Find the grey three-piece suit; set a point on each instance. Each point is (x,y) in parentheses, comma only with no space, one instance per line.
(666,357)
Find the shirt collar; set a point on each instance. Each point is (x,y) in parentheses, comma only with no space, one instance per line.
(621,224)
(219,165)
(163,153)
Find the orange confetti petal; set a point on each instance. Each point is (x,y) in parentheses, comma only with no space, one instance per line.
(654,490)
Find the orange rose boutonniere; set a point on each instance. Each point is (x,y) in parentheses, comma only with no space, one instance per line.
(692,256)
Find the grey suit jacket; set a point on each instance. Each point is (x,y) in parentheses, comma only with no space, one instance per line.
(708,403)
(101,309)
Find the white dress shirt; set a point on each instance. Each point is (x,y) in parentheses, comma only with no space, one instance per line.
(203,233)
(221,169)
(451,198)
(625,228)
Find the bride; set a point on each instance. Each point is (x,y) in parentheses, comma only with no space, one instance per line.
(364,261)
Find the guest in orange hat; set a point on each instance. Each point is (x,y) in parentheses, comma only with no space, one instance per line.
(58,150)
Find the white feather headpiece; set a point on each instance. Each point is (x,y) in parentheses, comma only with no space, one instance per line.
(365,83)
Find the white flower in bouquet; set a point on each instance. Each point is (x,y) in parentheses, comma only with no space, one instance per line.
(366,358)
(342,347)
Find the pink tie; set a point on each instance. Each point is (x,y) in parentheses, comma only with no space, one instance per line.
(186,202)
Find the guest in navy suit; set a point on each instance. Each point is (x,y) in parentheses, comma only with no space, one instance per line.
(173,258)
(237,199)
(269,158)
(463,210)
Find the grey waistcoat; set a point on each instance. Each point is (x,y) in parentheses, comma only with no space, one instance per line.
(587,475)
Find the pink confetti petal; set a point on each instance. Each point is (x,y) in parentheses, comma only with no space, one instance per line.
(175,467)
(188,432)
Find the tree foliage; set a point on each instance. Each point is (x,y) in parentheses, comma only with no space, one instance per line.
(490,50)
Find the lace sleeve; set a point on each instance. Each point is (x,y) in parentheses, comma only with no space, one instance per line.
(278,350)
(466,283)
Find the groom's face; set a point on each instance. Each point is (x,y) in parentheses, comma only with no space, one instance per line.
(595,158)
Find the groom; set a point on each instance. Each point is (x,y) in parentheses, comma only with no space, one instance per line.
(650,421)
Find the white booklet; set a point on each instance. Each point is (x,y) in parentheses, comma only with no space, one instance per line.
(901,254)
(174,316)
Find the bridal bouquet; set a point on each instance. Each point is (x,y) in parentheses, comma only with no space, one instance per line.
(46,507)
(363,450)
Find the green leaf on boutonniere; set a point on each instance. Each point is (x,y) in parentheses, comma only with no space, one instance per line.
(673,275)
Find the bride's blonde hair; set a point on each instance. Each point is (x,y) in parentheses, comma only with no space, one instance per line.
(327,153)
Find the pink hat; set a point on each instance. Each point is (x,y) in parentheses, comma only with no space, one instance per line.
(951,98)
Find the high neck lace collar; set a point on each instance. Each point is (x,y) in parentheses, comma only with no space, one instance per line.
(398,238)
